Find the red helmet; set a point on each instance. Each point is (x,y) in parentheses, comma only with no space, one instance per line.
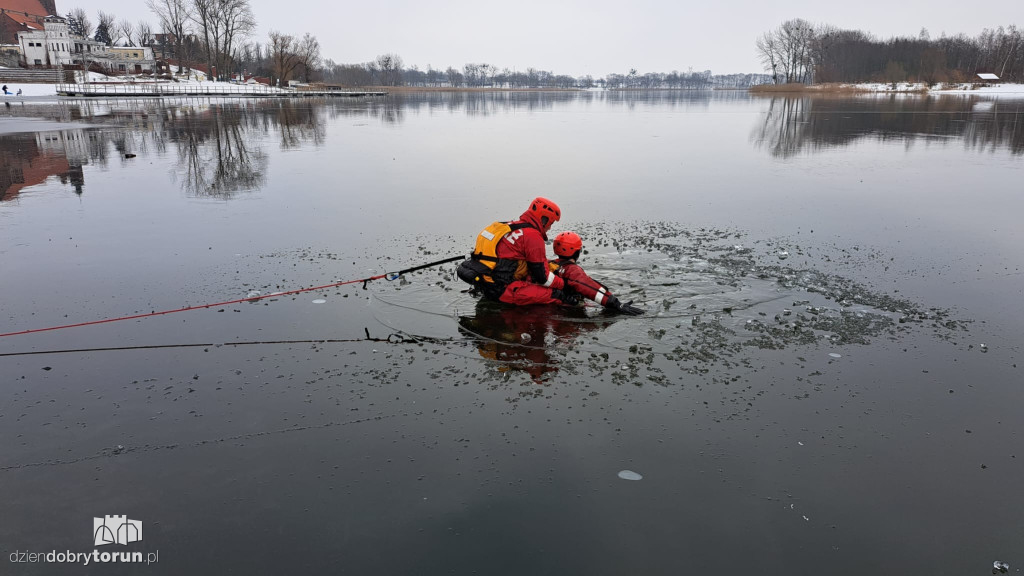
(567,244)
(541,209)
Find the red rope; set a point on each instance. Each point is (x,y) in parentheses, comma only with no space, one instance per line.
(239,301)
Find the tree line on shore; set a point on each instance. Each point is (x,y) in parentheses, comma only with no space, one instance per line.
(801,52)
(218,34)
(389,70)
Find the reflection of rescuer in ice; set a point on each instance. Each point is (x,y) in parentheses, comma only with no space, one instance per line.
(500,333)
(510,263)
(568,246)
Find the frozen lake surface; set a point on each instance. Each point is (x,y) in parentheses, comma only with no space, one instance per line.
(826,377)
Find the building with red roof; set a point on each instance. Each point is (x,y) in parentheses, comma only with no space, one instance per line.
(23,16)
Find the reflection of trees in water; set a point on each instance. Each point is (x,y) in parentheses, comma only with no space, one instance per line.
(783,127)
(671,99)
(484,103)
(296,122)
(488,103)
(217,155)
(793,125)
(218,142)
(388,110)
(997,127)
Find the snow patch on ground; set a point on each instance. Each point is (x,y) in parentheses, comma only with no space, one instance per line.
(182,88)
(917,87)
(16,125)
(29,90)
(105,84)
(984,89)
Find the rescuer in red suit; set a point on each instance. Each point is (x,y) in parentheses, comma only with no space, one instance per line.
(522,266)
(568,246)
(510,264)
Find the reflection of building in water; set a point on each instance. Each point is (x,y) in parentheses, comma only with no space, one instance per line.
(29,159)
(74,144)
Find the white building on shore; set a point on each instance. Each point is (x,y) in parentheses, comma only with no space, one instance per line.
(49,47)
(54,46)
(131,59)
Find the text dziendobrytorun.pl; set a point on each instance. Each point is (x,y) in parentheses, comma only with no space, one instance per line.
(85,558)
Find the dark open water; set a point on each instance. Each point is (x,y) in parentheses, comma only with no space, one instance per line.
(808,393)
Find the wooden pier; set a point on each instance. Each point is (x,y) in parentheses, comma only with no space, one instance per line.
(218,89)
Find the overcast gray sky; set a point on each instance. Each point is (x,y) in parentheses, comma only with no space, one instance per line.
(578,37)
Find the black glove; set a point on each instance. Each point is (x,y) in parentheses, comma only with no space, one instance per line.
(568,297)
(627,308)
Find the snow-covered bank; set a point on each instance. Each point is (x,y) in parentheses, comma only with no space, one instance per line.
(187,88)
(30,90)
(1001,90)
(160,88)
(979,89)
(195,83)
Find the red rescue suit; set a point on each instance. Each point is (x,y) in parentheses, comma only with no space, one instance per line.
(577,280)
(523,266)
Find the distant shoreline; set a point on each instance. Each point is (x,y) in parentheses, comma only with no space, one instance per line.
(396,89)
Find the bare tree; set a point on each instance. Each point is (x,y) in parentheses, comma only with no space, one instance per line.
(768,52)
(787,52)
(203,13)
(143,33)
(84,25)
(235,23)
(798,36)
(309,54)
(282,55)
(348,74)
(249,57)
(174,19)
(223,23)
(126,30)
(454,77)
(390,66)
